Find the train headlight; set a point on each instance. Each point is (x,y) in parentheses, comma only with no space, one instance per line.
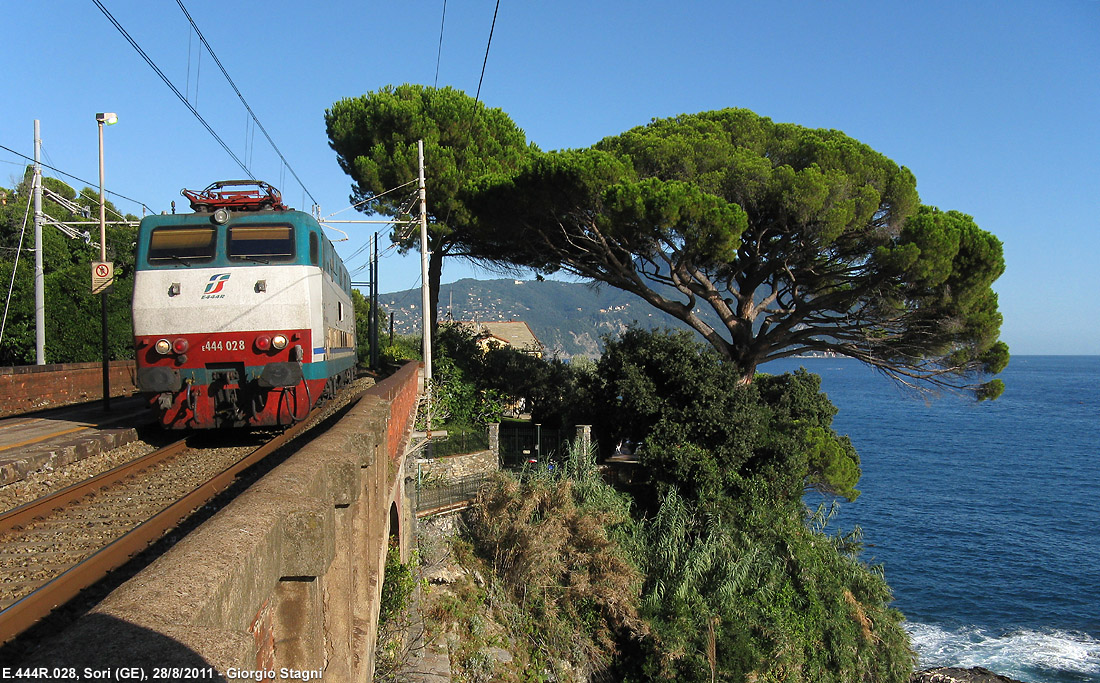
(180,346)
(163,347)
(279,341)
(263,342)
(221,216)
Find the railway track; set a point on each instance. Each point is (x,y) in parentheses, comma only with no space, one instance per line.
(56,546)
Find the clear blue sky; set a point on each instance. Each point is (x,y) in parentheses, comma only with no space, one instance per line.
(994,105)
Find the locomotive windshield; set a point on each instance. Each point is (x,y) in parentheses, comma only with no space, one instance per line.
(261,242)
(175,244)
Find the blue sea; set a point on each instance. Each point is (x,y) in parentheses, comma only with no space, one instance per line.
(985,516)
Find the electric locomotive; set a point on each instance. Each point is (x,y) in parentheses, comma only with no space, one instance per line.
(242,311)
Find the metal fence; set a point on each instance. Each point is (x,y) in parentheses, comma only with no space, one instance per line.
(452,493)
(523,442)
(458,443)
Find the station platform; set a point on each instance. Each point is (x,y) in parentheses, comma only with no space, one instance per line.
(54,438)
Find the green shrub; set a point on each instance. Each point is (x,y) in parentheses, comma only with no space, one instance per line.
(399,584)
(778,601)
(403,349)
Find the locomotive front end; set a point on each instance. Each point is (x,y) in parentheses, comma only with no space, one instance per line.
(231,319)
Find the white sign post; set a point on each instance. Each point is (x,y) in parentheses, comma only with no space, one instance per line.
(103,276)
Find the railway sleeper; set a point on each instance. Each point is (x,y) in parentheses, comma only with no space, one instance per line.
(77,533)
(14,592)
(42,559)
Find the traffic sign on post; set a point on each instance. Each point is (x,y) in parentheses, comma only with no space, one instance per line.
(103,276)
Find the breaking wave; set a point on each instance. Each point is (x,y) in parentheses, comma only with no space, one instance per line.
(1038,656)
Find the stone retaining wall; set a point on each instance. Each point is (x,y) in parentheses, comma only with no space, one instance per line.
(453,467)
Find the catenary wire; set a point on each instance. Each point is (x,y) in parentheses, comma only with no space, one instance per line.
(486,60)
(169,83)
(243,101)
(47,155)
(70,175)
(439,51)
(106,191)
(370,198)
(392,246)
(14,268)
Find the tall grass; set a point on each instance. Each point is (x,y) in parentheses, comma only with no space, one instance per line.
(549,539)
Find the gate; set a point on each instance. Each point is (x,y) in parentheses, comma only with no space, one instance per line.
(522,442)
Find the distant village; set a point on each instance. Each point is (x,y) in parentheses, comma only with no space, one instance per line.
(407,318)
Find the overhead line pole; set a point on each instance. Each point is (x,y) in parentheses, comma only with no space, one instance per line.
(425,299)
(39,276)
(374,355)
(370,312)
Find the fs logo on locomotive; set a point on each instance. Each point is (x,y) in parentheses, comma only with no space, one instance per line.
(215,285)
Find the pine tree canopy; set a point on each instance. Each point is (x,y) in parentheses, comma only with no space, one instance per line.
(769,239)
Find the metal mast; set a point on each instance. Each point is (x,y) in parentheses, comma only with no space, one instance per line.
(375,309)
(39,278)
(372,317)
(425,300)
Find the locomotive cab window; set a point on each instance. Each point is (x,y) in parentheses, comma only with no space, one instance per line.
(314,249)
(182,244)
(261,242)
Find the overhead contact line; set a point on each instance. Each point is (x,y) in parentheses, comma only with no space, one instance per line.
(243,101)
(171,86)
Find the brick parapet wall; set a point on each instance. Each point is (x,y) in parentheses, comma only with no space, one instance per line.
(401,390)
(26,388)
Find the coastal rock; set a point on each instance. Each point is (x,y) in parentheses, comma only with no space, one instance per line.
(443,575)
(950,674)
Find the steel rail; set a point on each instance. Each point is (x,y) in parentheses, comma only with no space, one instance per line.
(17,517)
(25,612)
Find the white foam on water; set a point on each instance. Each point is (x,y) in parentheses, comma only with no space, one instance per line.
(1011,653)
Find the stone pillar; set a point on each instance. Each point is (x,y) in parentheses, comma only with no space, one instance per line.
(584,437)
(494,438)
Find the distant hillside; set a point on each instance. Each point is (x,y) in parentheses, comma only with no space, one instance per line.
(568,318)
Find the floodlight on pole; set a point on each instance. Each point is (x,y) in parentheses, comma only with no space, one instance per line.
(102,119)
